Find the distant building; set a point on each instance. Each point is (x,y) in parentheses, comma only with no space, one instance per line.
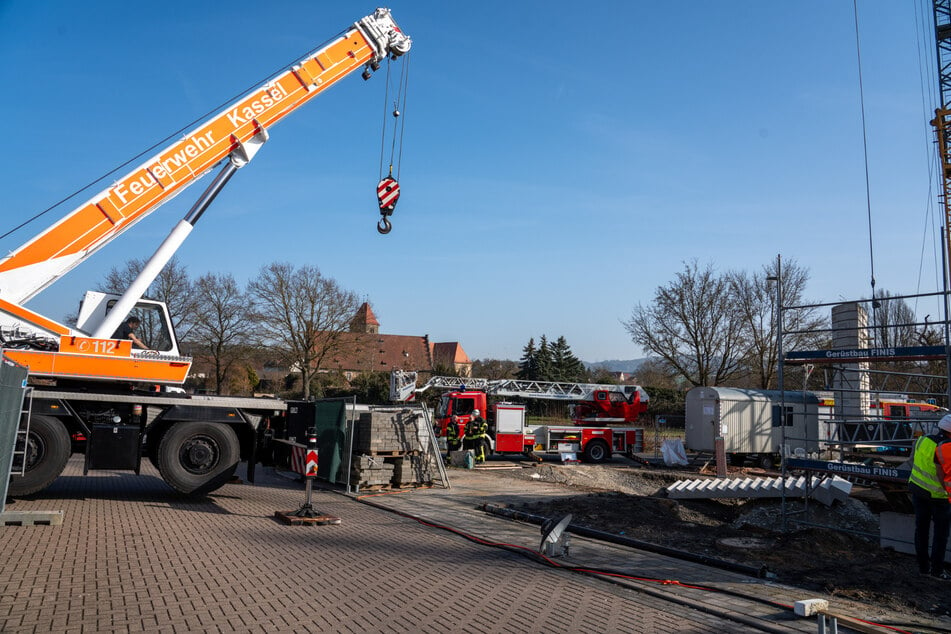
(451,356)
(362,349)
(365,320)
(625,378)
(365,349)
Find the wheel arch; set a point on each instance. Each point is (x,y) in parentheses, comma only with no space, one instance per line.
(597,450)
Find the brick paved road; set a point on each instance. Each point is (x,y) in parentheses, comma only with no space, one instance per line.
(132,556)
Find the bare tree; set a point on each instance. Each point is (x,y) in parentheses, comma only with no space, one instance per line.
(172,286)
(693,326)
(893,321)
(894,325)
(301,315)
(755,300)
(656,373)
(494,368)
(222,326)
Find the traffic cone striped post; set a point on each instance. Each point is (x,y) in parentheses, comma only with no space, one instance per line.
(307,514)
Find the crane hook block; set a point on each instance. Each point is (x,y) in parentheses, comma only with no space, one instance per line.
(388,192)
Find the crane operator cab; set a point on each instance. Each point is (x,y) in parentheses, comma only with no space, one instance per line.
(155,329)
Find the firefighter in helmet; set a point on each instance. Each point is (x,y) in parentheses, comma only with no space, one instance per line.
(453,441)
(477,436)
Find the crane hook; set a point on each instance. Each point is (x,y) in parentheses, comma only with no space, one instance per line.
(388,192)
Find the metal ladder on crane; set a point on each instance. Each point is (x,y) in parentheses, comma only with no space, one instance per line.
(20,448)
(403,387)
(18,467)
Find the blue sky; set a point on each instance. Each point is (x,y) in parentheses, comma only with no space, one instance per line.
(560,161)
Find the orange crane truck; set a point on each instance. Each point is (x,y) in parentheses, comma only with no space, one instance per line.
(84,382)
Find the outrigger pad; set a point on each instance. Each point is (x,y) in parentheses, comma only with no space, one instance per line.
(310,518)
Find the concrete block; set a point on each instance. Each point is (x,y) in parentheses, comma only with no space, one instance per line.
(822,493)
(691,487)
(810,607)
(458,458)
(676,487)
(705,486)
(840,487)
(771,486)
(897,530)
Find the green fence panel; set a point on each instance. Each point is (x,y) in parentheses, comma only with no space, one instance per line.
(331,423)
(12,391)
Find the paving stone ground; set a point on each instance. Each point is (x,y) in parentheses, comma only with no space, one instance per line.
(133,556)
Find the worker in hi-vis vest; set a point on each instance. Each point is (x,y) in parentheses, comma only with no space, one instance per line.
(930,486)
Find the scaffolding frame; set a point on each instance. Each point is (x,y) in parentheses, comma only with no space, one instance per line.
(880,396)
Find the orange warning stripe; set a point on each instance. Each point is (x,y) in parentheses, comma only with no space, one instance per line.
(98,367)
(30,317)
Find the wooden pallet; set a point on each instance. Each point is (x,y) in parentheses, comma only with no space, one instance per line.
(374,487)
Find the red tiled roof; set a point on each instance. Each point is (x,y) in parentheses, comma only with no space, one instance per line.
(449,352)
(365,316)
(368,352)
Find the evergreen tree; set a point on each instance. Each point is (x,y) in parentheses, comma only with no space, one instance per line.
(544,360)
(528,365)
(565,365)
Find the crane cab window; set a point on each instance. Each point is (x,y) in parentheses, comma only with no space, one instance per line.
(153,328)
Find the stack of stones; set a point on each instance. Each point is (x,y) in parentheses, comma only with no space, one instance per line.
(411,470)
(371,471)
(389,450)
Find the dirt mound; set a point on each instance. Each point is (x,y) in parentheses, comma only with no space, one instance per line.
(834,557)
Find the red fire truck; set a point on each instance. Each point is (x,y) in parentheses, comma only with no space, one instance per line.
(596,409)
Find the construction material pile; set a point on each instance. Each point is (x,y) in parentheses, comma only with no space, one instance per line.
(391,449)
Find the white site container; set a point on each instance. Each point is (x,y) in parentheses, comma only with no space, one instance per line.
(751,422)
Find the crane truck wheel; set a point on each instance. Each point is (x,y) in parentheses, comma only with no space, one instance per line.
(596,451)
(48,447)
(197,458)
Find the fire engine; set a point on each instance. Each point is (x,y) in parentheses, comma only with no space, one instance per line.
(124,402)
(595,410)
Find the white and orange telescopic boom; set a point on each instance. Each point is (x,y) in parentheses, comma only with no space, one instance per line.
(235,133)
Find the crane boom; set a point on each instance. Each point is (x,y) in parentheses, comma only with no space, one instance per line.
(237,131)
(53,350)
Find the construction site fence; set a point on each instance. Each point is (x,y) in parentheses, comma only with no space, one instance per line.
(12,392)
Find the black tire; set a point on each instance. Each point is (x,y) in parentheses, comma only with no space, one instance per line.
(48,448)
(596,451)
(197,458)
(766,461)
